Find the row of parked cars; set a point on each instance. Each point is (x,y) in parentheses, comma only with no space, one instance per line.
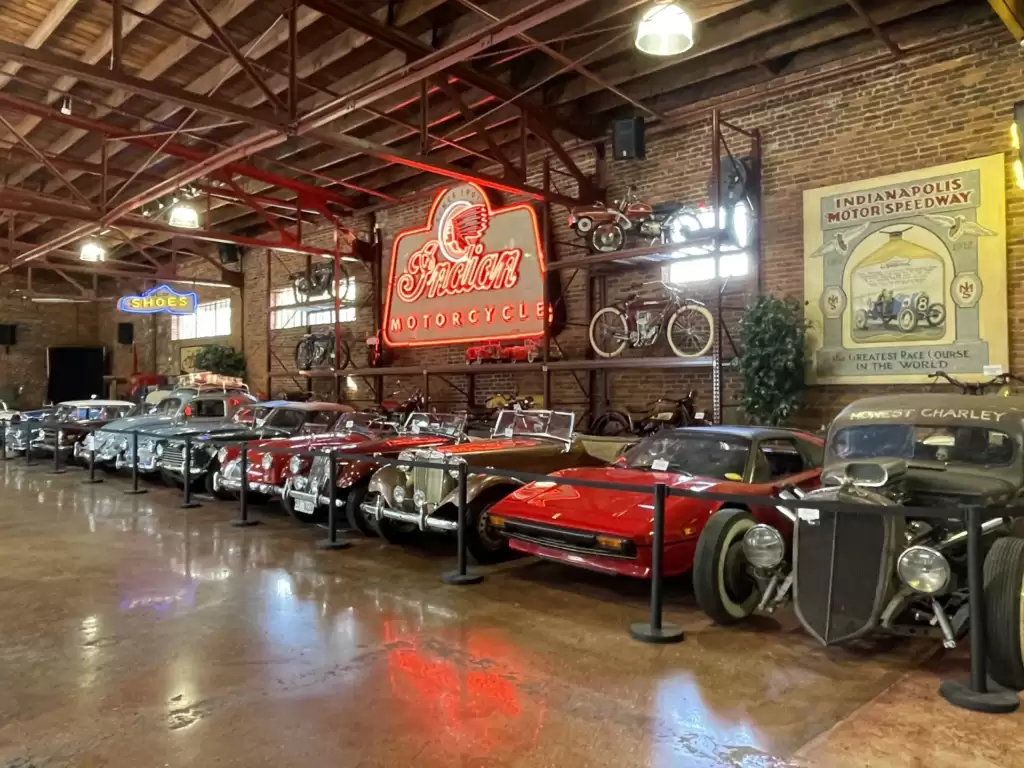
(754,548)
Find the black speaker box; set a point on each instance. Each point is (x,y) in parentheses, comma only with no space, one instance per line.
(230,253)
(628,139)
(8,335)
(125,333)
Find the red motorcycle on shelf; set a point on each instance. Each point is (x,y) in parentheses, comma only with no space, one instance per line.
(605,227)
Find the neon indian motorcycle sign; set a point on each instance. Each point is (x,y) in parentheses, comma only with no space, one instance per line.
(473,272)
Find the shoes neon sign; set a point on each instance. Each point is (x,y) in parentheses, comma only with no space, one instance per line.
(472,273)
(162,299)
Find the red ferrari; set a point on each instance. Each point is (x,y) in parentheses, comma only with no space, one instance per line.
(611,531)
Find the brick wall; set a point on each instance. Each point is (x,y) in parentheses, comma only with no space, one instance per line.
(917,112)
(39,325)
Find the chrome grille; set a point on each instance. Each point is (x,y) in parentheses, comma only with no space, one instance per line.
(318,472)
(435,483)
(174,457)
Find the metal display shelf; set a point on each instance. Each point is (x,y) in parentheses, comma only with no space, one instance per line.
(647,256)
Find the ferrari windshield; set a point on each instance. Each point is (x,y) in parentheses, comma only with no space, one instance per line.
(960,445)
(534,424)
(447,424)
(722,457)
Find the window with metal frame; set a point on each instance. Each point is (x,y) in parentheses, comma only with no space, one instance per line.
(318,310)
(211,319)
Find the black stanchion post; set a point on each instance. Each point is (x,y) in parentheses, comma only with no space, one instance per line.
(461,575)
(28,445)
(655,631)
(979,693)
(243,520)
(187,502)
(3,440)
(57,440)
(135,490)
(92,479)
(332,541)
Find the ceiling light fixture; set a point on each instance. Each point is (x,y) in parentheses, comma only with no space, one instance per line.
(665,29)
(92,251)
(184,215)
(65,105)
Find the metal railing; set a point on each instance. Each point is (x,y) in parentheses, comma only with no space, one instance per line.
(977,693)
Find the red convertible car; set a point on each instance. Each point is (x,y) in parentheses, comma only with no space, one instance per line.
(611,531)
(305,494)
(268,471)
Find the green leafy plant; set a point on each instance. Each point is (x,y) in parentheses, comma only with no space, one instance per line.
(772,334)
(216,358)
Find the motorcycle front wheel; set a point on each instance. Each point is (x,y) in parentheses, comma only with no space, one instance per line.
(304,354)
(607,238)
(691,329)
(611,424)
(609,332)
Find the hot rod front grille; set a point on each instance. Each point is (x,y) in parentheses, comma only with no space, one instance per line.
(842,572)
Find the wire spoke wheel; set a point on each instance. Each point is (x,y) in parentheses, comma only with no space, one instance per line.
(608,332)
(691,329)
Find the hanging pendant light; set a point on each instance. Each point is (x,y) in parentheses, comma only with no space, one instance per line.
(184,215)
(92,251)
(665,29)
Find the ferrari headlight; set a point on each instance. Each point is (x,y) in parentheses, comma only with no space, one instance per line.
(295,465)
(398,494)
(924,570)
(267,461)
(763,546)
(222,456)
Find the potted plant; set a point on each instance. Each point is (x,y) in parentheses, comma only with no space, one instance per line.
(772,334)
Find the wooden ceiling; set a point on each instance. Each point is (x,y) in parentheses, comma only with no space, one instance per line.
(346,105)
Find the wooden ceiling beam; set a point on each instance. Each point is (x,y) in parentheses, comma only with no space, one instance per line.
(1012,14)
(39,36)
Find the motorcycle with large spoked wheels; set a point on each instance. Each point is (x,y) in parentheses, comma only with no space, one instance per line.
(642,319)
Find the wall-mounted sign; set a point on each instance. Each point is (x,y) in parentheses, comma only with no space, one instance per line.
(160,299)
(187,358)
(473,272)
(906,274)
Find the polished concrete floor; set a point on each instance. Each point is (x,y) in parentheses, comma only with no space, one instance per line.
(134,634)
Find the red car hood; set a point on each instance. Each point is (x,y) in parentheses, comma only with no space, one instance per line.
(316,442)
(396,444)
(619,513)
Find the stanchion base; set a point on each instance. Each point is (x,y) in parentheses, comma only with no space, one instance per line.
(645,633)
(996,700)
(189,505)
(136,491)
(244,523)
(58,471)
(461,579)
(92,481)
(337,544)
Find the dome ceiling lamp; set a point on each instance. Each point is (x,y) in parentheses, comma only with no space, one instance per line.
(665,29)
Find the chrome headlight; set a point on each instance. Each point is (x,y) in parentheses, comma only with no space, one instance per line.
(148,445)
(90,441)
(267,461)
(222,456)
(159,449)
(295,464)
(398,494)
(419,498)
(763,546)
(924,570)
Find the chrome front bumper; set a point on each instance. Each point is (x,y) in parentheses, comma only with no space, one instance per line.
(229,478)
(421,519)
(314,498)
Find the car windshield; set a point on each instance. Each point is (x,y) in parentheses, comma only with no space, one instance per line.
(722,457)
(362,422)
(534,423)
(320,421)
(167,407)
(91,412)
(285,418)
(205,409)
(448,424)
(979,446)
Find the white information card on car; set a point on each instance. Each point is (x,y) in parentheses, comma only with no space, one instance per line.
(808,515)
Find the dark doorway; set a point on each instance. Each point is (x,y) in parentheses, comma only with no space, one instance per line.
(75,373)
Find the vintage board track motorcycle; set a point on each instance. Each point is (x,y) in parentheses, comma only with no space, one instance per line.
(853,574)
